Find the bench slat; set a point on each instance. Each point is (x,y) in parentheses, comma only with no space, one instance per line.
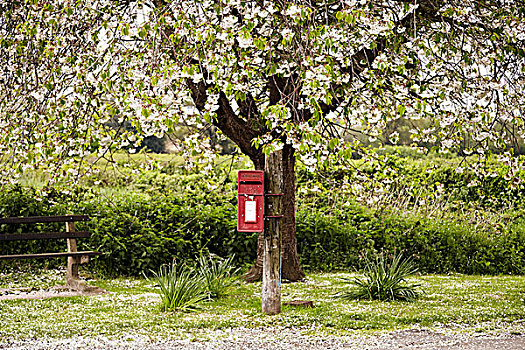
(48,255)
(43,235)
(44,219)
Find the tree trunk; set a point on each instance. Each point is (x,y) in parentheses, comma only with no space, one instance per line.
(271,280)
(291,269)
(242,131)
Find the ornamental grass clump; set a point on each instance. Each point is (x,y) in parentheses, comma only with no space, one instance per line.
(181,289)
(218,274)
(385,280)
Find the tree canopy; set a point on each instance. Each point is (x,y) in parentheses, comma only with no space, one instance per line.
(319,76)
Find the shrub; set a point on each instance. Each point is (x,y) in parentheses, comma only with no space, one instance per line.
(326,242)
(218,274)
(137,231)
(384,280)
(181,289)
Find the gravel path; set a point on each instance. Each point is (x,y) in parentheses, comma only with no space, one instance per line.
(250,339)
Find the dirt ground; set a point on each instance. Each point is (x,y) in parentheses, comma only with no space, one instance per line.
(61,291)
(424,339)
(266,339)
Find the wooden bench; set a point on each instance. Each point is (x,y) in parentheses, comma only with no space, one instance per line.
(74,257)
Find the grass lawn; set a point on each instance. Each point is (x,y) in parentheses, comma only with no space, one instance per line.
(489,304)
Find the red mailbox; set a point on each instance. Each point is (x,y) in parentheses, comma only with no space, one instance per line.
(250,203)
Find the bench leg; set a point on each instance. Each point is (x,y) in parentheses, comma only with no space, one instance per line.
(72,261)
(73,281)
(72,269)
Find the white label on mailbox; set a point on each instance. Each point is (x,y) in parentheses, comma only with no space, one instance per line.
(250,211)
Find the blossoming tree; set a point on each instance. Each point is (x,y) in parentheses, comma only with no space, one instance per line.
(284,79)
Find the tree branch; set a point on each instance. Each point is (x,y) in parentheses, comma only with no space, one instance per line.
(236,128)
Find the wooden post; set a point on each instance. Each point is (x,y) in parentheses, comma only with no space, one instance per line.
(72,261)
(271,278)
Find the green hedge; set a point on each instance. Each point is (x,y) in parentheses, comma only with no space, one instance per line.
(136,232)
(139,231)
(340,241)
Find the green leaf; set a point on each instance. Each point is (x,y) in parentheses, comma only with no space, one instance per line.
(142,33)
(401,110)
(350,19)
